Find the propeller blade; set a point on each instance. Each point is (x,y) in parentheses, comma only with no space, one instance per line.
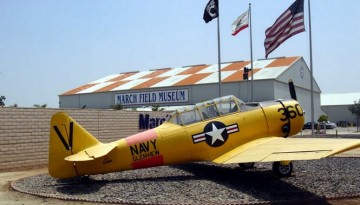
(71,134)
(292,90)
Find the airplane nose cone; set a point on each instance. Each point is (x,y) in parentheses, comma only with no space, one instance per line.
(285,117)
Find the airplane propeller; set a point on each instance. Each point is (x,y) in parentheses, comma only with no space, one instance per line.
(287,126)
(292,90)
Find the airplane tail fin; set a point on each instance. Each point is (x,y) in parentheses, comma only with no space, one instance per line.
(67,138)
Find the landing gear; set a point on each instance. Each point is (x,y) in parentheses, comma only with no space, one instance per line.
(282,169)
(85,179)
(245,166)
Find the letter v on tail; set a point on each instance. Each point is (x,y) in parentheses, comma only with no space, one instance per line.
(66,145)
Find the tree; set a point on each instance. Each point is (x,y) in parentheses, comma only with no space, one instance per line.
(2,99)
(355,110)
(117,107)
(323,118)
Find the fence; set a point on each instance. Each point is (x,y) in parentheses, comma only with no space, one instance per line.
(24,132)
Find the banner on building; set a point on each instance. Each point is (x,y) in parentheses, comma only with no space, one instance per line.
(153,97)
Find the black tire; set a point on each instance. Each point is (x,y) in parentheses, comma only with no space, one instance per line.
(245,166)
(282,170)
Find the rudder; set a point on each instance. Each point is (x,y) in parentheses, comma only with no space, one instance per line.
(67,137)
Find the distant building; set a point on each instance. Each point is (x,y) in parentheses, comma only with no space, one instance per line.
(196,83)
(336,106)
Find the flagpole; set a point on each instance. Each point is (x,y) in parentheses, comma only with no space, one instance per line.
(219,57)
(212,11)
(311,75)
(251,56)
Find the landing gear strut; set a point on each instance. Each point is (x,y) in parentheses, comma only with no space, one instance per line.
(282,169)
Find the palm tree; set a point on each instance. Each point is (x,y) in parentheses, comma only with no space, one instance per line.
(157,108)
(40,106)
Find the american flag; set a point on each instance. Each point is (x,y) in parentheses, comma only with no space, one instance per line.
(289,23)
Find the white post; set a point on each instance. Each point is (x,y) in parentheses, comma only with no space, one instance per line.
(251,55)
(311,75)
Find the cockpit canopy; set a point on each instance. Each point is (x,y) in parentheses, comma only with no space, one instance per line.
(206,110)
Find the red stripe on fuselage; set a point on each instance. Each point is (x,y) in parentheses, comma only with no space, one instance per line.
(141,137)
(149,162)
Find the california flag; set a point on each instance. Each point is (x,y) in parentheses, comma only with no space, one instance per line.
(240,23)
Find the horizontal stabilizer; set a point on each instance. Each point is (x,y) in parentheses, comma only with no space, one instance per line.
(91,153)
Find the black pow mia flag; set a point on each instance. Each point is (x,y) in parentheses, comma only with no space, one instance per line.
(211,10)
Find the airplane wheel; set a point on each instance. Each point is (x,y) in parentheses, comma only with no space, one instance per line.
(249,165)
(282,170)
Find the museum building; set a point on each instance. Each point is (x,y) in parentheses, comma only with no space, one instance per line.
(196,83)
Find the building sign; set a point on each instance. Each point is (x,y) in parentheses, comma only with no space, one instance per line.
(154,97)
(147,122)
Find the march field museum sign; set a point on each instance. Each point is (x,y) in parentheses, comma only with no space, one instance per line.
(153,97)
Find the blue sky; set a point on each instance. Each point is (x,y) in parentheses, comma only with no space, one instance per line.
(48,47)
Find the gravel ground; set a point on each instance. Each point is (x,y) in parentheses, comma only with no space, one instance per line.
(207,183)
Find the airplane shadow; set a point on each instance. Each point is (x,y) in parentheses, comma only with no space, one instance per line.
(77,186)
(92,184)
(261,184)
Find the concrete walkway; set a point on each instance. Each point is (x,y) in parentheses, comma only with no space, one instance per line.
(9,196)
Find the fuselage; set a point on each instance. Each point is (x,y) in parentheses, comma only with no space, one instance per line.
(203,139)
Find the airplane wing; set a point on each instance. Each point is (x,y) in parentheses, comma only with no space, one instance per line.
(271,149)
(91,153)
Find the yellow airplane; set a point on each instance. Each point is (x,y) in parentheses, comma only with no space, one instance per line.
(223,130)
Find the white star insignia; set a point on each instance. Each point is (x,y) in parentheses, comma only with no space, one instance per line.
(216,134)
